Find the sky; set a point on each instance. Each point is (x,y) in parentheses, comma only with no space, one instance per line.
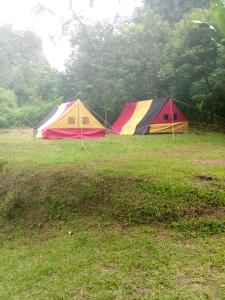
(21,15)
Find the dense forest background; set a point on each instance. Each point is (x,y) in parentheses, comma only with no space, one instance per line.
(167,48)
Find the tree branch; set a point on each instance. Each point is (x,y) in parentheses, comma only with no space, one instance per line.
(76,17)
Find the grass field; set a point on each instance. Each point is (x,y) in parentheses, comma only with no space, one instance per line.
(137,217)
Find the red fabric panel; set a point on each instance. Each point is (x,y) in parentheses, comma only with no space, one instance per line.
(166,110)
(72,133)
(124,117)
(66,108)
(69,104)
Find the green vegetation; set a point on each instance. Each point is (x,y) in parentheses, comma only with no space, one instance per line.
(27,82)
(138,217)
(111,262)
(135,179)
(167,48)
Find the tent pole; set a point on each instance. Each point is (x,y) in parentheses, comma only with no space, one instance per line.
(34,135)
(105,110)
(171,109)
(81,131)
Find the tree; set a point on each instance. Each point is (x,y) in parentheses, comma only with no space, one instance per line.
(24,68)
(219,16)
(173,10)
(147,57)
(21,47)
(32,84)
(117,62)
(7,104)
(190,63)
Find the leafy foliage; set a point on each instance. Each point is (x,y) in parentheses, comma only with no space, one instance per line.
(33,84)
(7,104)
(174,10)
(30,115)
(24,68)
(26,80)
(219,15)
(147,57)
(174,48)
(117,63)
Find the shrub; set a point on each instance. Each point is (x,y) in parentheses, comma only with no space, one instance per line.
(7,99)
(7,106)
(27,115)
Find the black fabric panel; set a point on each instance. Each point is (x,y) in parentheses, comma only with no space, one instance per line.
(54,110)
(155,108)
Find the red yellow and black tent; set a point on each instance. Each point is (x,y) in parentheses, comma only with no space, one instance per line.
(150,116)
(71,120)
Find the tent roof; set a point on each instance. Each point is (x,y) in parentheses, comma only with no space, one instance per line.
(69,119)
(137,116)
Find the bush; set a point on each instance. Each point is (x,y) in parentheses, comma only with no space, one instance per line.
(7,99)
(7,106)
(30,115)
(27,115)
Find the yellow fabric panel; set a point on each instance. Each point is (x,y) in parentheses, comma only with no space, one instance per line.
(139,113)
(78,116)
(85,113)
(181,127)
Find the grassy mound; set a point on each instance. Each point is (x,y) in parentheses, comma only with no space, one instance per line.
(127,218)
(131,180)
(63,194)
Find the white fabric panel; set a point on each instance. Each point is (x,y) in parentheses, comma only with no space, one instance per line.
(60,111)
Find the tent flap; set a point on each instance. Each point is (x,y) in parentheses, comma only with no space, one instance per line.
(169,128)
(72,133)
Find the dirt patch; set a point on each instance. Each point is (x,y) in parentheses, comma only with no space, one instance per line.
(186,281)
(20,131)
(204,177)
(4,131)
(214,213)
(210,162)
(61,193)
(187,150)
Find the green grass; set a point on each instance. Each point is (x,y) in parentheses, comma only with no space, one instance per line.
(156,156)
(138,179)
(112,263)
(144,224)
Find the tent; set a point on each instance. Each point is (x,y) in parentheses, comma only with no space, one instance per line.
(150,116)
(71,120)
